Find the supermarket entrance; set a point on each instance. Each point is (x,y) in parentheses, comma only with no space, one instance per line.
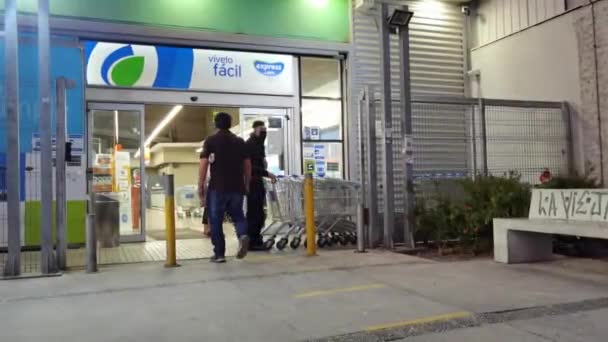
(132,146)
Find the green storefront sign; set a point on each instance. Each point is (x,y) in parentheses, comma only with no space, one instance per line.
(324,20)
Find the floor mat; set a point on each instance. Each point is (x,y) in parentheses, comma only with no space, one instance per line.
(180,234)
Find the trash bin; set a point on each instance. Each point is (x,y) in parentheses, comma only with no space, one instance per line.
(107,220)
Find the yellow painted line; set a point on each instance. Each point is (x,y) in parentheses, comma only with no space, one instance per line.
(420,321)
(340,290)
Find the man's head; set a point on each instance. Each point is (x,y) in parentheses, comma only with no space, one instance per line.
(259,129)
(223,121)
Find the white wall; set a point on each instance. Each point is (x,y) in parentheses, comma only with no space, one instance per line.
(496,19)
(539,63)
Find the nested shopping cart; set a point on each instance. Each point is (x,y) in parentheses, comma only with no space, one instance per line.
(335,212)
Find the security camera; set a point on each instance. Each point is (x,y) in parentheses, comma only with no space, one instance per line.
(466,10)
(193,98)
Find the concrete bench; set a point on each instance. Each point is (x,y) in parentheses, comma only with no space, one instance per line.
(576,212)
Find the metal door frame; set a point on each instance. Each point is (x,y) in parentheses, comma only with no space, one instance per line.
(92,106)
(284,114)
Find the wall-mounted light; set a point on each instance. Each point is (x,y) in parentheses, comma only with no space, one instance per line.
(400,18)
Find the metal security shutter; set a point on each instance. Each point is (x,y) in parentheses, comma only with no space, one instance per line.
(437,69)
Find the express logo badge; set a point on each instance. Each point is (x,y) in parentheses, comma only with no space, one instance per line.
(269,69)
(127,65)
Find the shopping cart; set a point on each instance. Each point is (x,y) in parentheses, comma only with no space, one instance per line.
(336,204)
(284,199)
(187,203)
(335,212)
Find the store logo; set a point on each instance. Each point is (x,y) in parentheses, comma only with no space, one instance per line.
(127,65)
(269,69)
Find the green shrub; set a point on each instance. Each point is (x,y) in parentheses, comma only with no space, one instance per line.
(438,219)
(488,197)
(470,221)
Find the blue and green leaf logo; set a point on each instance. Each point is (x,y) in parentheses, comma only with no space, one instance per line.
(128,65)
(127,71)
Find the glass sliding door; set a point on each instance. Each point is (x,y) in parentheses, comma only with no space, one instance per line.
(115,139)
(277,141)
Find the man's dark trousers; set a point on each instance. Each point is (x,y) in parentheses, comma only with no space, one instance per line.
(256,217)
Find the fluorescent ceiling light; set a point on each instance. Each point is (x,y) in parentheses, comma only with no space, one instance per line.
(161,125)
(116,127)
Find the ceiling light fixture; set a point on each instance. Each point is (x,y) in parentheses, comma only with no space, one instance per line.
(161,125)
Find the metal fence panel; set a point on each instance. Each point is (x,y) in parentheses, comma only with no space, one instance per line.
(526,140)
(456,138)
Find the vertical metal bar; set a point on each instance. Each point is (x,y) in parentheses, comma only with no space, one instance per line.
(372,170)
(484,136)
(474,132)
(387,174)
(91,233)
(170,222)
(361,237)
(60,173)
(567,117)
(598,96)
(47,261)
(309,211)
(361,133)
(143,178)
(466,53)
(13,159)
(406,129)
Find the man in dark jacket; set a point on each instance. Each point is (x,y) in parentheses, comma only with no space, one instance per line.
(256,197)
(227,156)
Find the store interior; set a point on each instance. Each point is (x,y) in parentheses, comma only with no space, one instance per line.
(175,150)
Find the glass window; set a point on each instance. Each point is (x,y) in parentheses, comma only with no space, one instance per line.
(321,119)
(321,78)
(325,158)
(322,116)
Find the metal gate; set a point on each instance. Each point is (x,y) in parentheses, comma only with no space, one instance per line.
(456,138)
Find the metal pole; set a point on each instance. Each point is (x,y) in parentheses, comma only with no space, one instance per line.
(406,128)
(60,173)
(91,241)
(170,222)
(47,261)
(13,162)
(387,174)
(372,170)
(570,136)
(309,210)
(474,135)
(484,136)
(361,238)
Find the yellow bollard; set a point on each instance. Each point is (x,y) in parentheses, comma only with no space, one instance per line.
(170,222)
(309,209)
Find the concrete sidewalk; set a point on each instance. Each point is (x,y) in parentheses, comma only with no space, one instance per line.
(338,296)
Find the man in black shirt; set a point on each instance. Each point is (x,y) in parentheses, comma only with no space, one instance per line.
(230,176)
(257,194)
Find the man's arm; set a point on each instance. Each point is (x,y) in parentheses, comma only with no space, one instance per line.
(202,179)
